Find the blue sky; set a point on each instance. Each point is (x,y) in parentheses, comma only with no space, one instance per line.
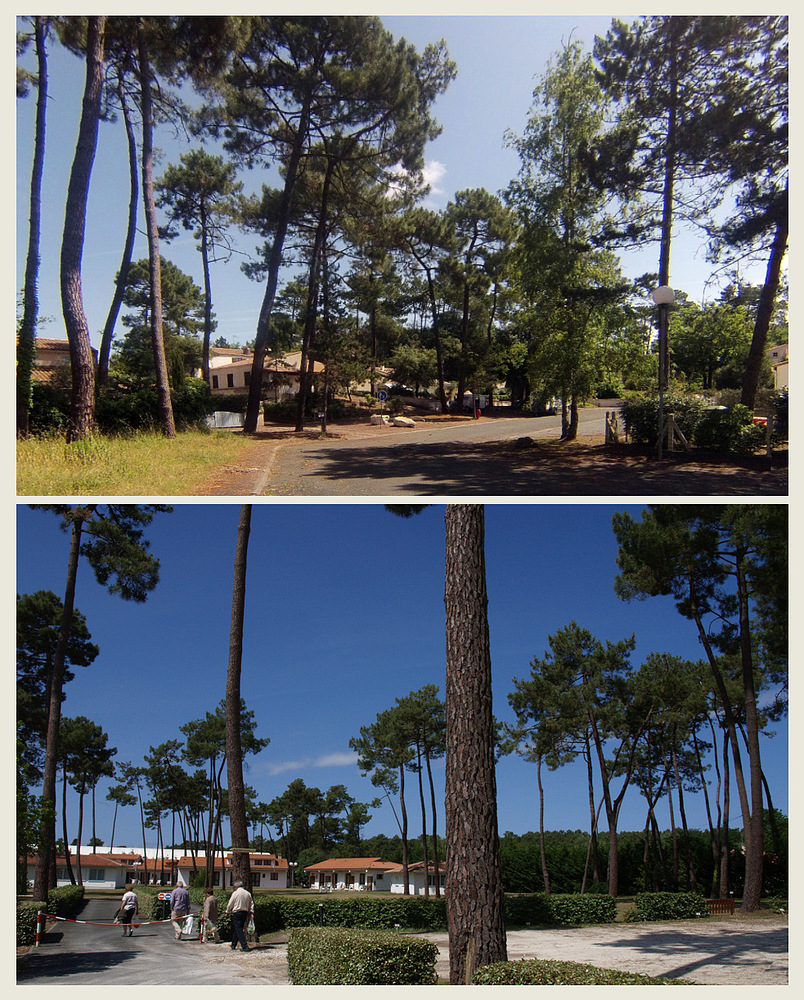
(499,60)
(344,614)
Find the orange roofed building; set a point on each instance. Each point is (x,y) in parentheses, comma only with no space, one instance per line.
(362,874)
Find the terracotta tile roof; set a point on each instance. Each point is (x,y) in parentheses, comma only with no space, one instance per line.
(418,866)
(186,861)
(348,864)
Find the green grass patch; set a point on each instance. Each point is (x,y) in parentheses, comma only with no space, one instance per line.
(141,464)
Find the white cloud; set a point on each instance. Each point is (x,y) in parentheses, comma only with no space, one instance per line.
(433,174)
(337,759)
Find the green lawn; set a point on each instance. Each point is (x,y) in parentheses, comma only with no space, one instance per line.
(142,464)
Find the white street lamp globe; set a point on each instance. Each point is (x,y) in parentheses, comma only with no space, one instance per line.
(663,295)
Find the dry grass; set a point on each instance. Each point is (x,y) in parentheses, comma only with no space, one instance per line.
(143,464)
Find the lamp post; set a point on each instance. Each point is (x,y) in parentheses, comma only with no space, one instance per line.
(292,867)
(663,296)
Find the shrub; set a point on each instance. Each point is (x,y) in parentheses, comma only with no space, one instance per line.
(62,902)
(126,409)
(326,956)
(780,419)
(641,415)
(669,906)
(50,407)
(729,430)
(544,972)
(26,923)
(65,901)
(380,911)
(560,910)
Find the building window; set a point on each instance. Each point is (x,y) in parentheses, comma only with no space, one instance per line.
(96,875)
(230,381)
(246,378)
(274,876)
(215,382)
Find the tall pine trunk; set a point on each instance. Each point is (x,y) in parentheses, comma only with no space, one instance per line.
(756,352)
(241,868)
(128,247)
(82,362)
(44,874)
(274,265)
(164,404)
(30,309)
(474,893)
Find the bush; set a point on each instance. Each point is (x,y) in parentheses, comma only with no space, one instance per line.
(121,410)
(641,415)
(780,419)
(325,956)
(26,923)
(62,902)
(542,972)
(65,901)
(729,430)
(563,910)
(50,407)
(669,906)
(370,911)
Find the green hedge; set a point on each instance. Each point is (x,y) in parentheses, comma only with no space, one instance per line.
(371,911)
(641,415)
(545,972)
(26,923)
(730,429)
(329,956)
(62,902)
(563,910)
(669,906)
(65,901)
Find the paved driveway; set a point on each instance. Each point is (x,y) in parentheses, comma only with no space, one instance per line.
(97,954)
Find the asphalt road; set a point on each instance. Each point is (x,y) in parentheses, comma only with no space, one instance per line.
(425,460)
(97,954)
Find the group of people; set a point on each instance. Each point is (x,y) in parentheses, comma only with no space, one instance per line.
(240,905)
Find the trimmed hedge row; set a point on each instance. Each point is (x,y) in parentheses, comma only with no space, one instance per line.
(669,906)
(546,972)
(62,902)
(337,956)
(560,910)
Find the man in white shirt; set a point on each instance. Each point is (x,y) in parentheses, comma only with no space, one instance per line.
(241,906)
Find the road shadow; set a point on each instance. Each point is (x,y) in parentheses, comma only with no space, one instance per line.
(39,966)
(730,947)
(528,469)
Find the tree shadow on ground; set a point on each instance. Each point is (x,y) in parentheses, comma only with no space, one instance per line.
(730,947)
(61,965)
(530,469)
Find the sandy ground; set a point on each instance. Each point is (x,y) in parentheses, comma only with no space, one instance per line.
(724,951)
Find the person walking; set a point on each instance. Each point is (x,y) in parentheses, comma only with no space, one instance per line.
(129,908)
(241,906)
(179,908)
(209,918)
